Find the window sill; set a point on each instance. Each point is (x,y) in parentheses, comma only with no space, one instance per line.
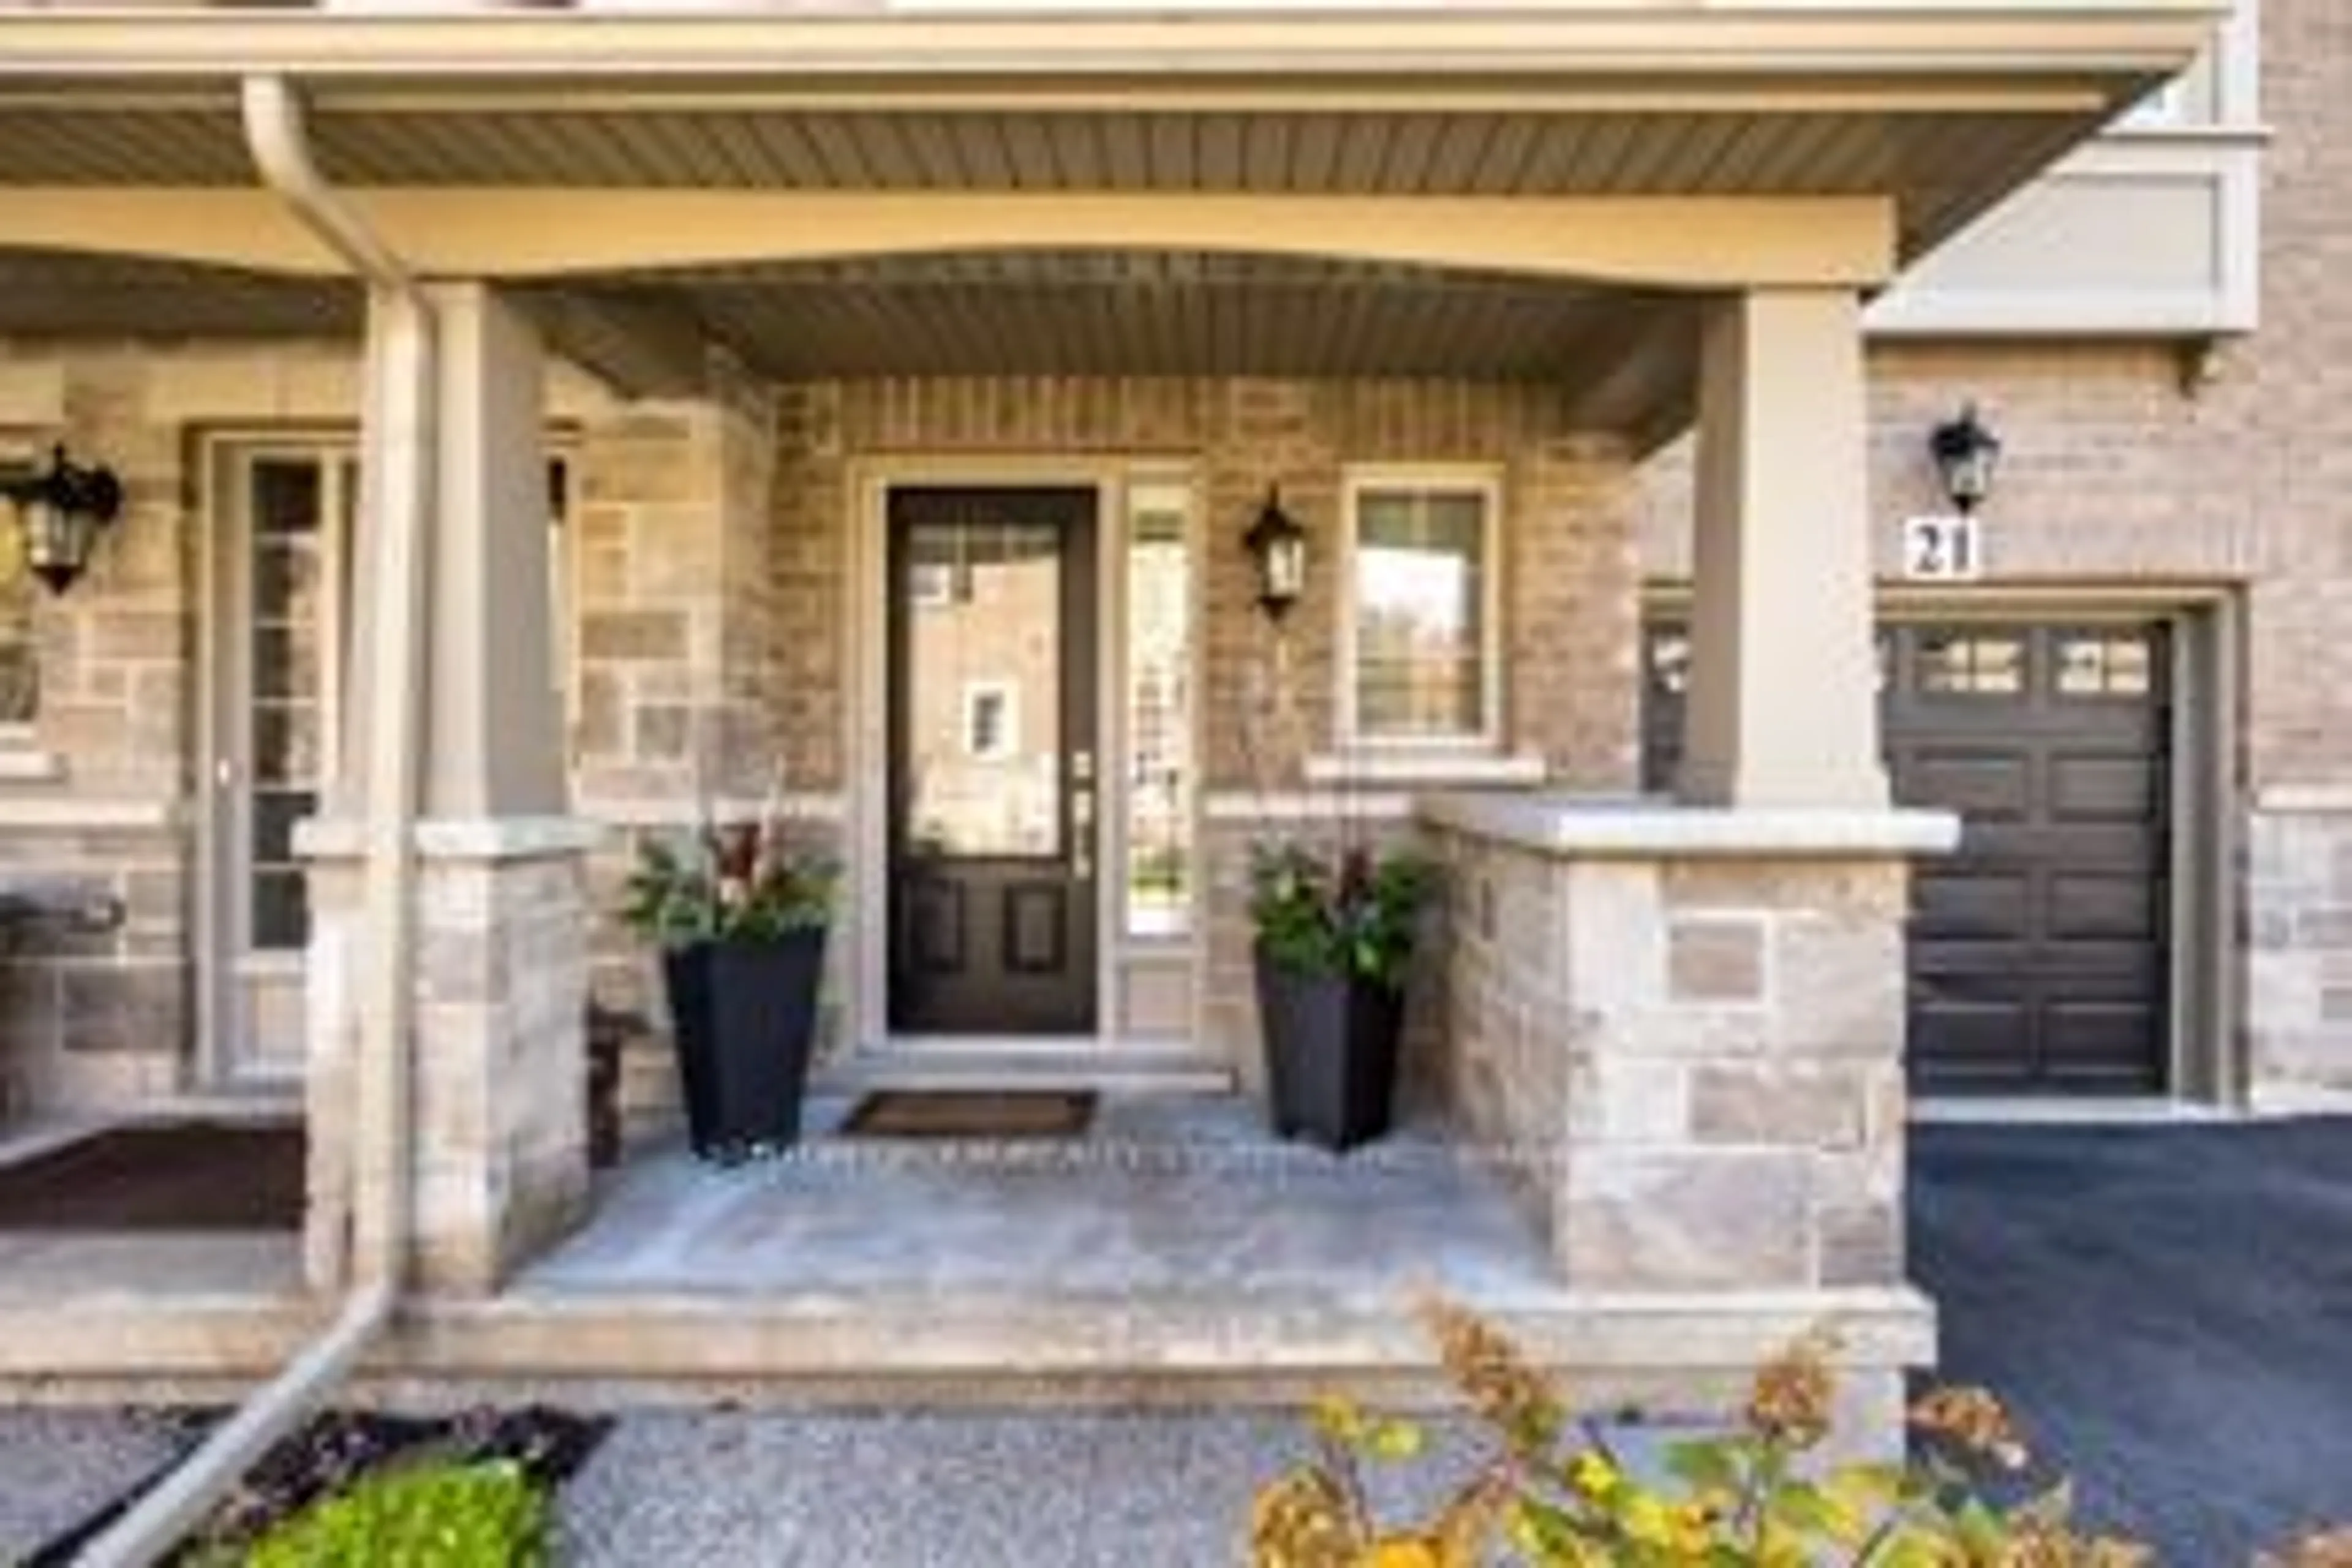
(27,764)
(1469,769)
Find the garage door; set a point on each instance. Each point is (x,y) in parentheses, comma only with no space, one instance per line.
(2039,954)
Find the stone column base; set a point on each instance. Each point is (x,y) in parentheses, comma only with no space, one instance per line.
(498,1126)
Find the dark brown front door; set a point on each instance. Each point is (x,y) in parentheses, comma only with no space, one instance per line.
(2039,954)
(992,761)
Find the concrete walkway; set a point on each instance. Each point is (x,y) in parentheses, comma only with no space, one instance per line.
(2169,1309)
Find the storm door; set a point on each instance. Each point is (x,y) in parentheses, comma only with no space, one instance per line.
(282,525)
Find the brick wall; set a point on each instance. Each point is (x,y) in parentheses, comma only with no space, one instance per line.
(96,800)
(1568,538)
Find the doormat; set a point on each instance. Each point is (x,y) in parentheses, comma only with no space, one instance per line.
(178,1175)
(966,1113)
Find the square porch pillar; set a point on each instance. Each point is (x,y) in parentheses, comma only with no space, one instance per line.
(496,1126)
(1783,707)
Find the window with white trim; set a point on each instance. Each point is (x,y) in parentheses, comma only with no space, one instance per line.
(1420,653)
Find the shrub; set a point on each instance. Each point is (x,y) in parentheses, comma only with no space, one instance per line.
(738,883)
(1354,914)
(1550,1491)
(436,1515)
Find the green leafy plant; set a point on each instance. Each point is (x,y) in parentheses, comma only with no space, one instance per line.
(1550,1491)
(434,1515)
(737,883)
(1354,914)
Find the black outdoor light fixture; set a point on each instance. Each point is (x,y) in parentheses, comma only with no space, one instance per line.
(1279,546)
(1967,453)
(62,508)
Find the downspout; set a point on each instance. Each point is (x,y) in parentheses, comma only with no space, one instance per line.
(402,368)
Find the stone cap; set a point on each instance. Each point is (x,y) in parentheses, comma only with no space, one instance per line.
(1601,827)
(455,838)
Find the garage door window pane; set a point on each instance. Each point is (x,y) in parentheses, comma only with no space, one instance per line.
(1421,629)
(1969,665)
(2107,664)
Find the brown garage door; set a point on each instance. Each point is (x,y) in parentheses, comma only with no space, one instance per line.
(2037,953)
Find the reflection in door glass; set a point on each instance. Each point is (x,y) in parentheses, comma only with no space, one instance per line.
(1159,716)
(983,687)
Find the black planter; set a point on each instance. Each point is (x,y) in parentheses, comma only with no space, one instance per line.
(1331,1054)
(744,1014)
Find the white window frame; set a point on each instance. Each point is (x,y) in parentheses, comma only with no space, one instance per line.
(1486,484)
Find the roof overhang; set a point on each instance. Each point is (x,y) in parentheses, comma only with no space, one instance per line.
(1942,104)
(1061,49)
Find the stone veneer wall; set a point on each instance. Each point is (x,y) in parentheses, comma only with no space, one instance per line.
(99,797)
(499,1124)
(2298,864)
(1691,1069)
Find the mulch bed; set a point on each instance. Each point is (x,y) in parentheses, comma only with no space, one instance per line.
(178,1175)
(927,1113)
(336,1449)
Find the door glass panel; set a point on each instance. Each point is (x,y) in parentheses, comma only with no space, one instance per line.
(1159,716)
(287,717)
(984,684)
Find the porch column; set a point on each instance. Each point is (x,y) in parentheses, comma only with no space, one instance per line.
(1783,706)
(500,939)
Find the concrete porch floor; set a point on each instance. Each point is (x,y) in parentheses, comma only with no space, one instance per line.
(1176,1255)
(1167,1197)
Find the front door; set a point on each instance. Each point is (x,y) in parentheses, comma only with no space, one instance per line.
(992,850)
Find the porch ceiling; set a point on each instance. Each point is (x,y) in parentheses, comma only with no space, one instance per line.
(1147,313)
(1622,357)
(45,293)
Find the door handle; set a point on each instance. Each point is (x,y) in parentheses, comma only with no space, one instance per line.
(1082,832)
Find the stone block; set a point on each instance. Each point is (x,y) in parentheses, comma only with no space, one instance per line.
(1686,1220)
(1714,958)
(1780,1105)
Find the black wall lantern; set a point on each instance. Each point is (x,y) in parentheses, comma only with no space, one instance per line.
(62,509)
(1966,453)
(1279,546)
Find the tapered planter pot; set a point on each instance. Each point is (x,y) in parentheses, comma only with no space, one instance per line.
(744,1016)
(1331,1047)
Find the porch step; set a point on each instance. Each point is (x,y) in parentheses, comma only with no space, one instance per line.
(1112,1070)
(1664,1354)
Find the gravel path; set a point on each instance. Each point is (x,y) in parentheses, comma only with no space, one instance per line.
(914,1492)
(56,1466)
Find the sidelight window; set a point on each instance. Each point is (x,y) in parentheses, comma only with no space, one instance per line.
(1160,714)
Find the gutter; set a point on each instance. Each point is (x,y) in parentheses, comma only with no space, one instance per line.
(402,365)
(1041,48)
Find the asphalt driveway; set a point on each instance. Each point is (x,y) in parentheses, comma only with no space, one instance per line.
(2169,1309)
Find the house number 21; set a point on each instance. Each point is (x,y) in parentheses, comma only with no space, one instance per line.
(1942,549)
